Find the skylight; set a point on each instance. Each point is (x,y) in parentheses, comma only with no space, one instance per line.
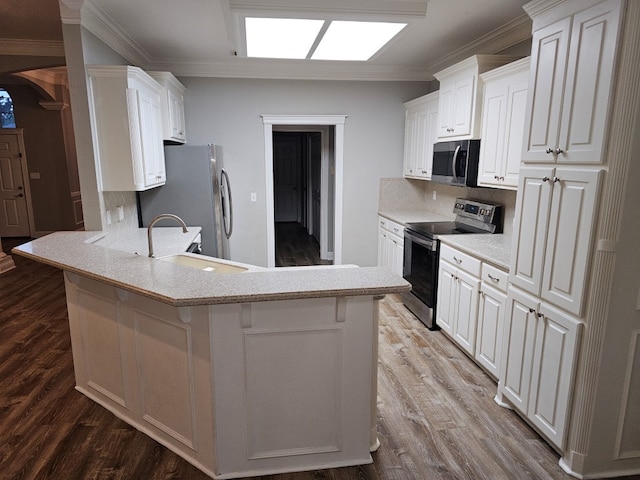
(317,39)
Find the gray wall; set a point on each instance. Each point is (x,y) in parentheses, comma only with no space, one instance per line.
(227,111)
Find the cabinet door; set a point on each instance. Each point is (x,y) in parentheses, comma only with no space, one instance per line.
(556,341)
(463,96)
(571,224)
(176,116)
(517,348)
(395,253)
(409,143)
(515,128)
(150,126)
(548,68)
(590,70)
(530,229)
(445,305)
(422,129)
(382,247)
(466,311)
(494,116)
(445,110)
(431,138)
(490,325)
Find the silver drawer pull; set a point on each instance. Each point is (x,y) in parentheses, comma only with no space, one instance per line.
(457,260)
(492,278)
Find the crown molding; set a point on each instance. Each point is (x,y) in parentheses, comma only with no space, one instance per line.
(106,29)
(292,69)
(508,35)
(31,48)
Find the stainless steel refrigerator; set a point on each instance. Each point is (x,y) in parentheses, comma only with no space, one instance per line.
(197,189)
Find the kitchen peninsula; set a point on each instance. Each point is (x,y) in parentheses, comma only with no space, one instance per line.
(258,372)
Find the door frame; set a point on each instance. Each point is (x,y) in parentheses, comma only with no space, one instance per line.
(287,122)
(19,132)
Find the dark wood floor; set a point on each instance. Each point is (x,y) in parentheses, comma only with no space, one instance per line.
(295,247)
(437,418)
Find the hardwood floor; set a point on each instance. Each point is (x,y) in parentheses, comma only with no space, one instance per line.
(437,418)
(295,247)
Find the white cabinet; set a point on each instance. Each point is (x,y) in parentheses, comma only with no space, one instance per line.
(555,218)
(173,125)
(458,295)
(460,97)
(539,351)
(421,123)
(491,318)
(126,121)
(503,118)
(572,67)
(390,245)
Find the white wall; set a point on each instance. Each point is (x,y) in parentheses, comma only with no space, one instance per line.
(227,111)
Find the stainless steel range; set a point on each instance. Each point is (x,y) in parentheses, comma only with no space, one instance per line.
(422,252)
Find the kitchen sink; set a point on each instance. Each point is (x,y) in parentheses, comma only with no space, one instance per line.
(206,264)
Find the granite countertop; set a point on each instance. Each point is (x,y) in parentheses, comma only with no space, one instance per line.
(404,217)
(494,249)
(114,261)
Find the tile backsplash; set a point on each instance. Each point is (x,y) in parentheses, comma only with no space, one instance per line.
(401,194)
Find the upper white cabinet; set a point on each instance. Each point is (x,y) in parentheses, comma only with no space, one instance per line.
(555,217)
(421,131)
(126,120)
(460,98)
(572,66)
(503,118)
(173,125)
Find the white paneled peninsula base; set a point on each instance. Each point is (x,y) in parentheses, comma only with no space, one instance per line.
(270,383)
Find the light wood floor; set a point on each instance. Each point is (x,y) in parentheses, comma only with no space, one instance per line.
(437,418)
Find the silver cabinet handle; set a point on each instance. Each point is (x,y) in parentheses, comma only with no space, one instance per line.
(532,310)
(549,150)
(545,179)
(558,151)
(539,314)
(556,179)
(492,278)
(19,195)
(457,260)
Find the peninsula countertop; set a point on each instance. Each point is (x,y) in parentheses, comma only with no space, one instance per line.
(120,263)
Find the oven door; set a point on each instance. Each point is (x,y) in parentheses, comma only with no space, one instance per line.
(420,269)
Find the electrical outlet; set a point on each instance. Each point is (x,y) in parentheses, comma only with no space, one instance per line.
(120,210)
(254,197)
(434,195)
(108,215)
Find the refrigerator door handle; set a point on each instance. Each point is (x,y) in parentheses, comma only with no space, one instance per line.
(228,223)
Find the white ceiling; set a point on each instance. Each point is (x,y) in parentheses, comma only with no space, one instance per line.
(199,37)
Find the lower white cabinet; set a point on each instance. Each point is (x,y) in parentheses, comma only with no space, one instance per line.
(470,306)
(539,352)
(458,296)
(390,245)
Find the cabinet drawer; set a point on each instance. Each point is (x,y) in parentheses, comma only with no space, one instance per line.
(495,277)
(394,227)
(460,260)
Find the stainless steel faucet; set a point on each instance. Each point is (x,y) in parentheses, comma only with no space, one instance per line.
(155,220)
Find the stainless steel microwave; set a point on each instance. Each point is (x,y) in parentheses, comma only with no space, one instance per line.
(456,163)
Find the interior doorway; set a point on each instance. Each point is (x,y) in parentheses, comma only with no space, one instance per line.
(329,203)
(299,193)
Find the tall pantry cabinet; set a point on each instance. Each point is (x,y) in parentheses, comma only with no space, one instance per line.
(574,50)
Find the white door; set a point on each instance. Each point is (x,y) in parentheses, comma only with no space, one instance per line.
(149,109)
(410,121)
(517,348)
(445,305)
(556,344)
(445,110)
(14,213)
(462,105)
(548,68)
(530,231)
(490,325)
(494,117)
(516,108)
(466,311)
(287,155)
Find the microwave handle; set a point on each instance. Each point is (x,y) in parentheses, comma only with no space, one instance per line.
(454,162)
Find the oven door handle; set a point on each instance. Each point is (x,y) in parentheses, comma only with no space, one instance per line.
(430,244)
(454,162)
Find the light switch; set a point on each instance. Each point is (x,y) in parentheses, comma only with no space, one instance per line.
(108,215)
(254,197)
(434,195)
